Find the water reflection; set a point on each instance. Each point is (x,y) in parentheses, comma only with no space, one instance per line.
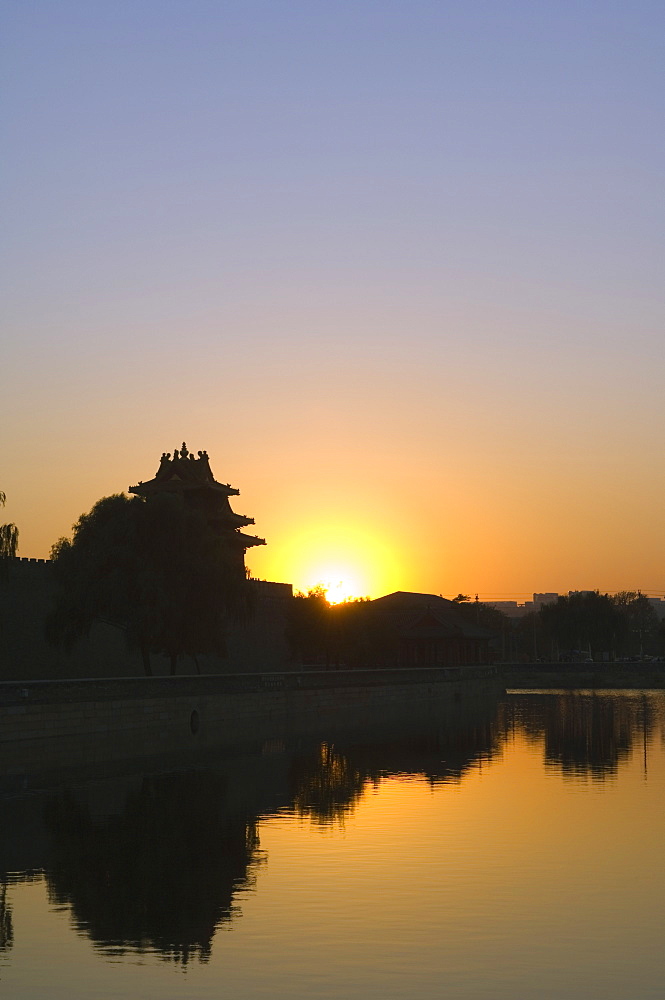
(162,875)
(327,785)
(157,862)
(6,925)
(328,782)
(586,734)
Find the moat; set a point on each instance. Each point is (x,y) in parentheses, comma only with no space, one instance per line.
(514,852)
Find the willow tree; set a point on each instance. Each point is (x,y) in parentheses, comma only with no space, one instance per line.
(8,538)
(154,568)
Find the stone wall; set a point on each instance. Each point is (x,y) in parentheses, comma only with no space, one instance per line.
(26,596)
(583,675)
(59,723)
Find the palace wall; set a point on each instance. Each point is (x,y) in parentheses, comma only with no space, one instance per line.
(46,725)
(26,596)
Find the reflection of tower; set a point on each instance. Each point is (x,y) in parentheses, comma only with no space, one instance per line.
(190,477)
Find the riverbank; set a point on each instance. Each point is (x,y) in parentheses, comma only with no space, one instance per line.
(582,675)
(64,722)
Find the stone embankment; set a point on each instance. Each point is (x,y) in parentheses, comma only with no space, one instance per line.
(582,675)
(55,723)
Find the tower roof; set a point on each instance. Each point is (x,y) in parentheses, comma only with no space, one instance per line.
(182,473)
(190,476)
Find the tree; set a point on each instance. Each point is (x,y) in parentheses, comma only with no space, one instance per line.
(640,618)
(333,634)
(8,538)
(163,872)
(584,621)
(153,567)
(481,614)
(308,625)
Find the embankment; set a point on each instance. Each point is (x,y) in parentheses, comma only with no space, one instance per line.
(582,675)
(51,724)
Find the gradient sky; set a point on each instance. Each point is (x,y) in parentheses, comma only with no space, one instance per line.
(396,265)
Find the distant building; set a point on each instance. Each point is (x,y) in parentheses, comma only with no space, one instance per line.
(547,598)
(658,604)
(510,608)
(514,610)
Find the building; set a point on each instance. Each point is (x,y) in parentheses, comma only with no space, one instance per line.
(658,605)
(547,598)
(256,642)
(190,477)
(509,608)
(514,610)
(423,630)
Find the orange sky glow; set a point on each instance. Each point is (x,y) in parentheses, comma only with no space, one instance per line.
(397,268)
(360,534)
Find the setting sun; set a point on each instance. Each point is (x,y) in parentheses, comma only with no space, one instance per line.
(344,559)
(340,587)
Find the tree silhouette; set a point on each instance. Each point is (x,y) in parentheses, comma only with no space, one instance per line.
(6,924)
(586,620)
(640,619)
(307,625)
(8,538)
(161,875)
(334,634)
(326,786)
(479,613)
(153,567)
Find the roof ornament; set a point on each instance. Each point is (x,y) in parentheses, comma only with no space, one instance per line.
(183,451)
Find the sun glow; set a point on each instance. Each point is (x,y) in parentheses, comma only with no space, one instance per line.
(340,587)
(344,560)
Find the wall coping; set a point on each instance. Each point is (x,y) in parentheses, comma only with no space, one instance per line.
(123,688)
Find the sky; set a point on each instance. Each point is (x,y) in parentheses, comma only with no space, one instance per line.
(397,266)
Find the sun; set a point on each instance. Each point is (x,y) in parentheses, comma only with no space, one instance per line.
(344,559)
(339,588)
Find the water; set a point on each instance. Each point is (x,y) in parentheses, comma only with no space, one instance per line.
(517,854)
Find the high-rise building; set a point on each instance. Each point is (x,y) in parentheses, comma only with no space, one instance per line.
(547,598)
